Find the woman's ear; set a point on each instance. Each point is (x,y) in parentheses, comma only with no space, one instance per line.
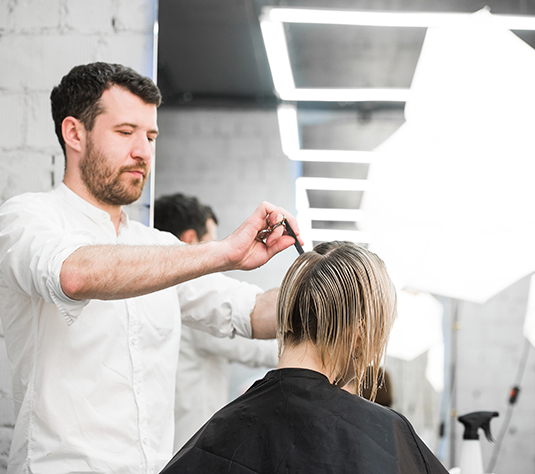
(358,348)
(73,132)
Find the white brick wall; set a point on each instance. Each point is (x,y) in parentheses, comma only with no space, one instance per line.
(12,105)
(40,41)
(7,415)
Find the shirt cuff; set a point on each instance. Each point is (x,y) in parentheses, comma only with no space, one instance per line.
(242,307)
(218,304)
(70,309)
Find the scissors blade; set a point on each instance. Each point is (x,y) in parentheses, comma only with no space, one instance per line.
(292,234)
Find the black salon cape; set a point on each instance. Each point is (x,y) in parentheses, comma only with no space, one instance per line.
(295,421)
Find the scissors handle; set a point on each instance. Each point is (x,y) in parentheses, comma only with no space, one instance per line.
(264,234)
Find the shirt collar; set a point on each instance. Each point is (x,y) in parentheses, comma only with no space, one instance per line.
(85,207)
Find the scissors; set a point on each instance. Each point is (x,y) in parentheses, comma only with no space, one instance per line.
(264,234)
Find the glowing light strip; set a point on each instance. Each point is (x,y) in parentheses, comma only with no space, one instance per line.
(391,19)
(331,184)
(333,234)
(288,129)
(342,95)
(278,56)
(281,72)
(339,156)
(152,176)
(271,23)
(289,134)
(305,214)
(324,184)
(310,235)
(338,215)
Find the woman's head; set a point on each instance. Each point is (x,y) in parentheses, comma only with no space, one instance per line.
(338,297)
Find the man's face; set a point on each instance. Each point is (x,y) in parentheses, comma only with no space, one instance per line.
(119,149)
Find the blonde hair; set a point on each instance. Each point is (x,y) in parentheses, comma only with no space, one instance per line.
(340,298)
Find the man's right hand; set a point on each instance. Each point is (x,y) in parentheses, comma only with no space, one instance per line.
(242,248)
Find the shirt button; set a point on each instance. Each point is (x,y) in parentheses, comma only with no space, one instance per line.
(145,441)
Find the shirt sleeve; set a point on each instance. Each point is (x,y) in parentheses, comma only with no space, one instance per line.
(251,352)
(33,248)
(218,304)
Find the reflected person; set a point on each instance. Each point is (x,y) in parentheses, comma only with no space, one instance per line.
(203,373)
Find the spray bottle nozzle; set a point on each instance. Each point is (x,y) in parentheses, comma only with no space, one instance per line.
(478,419)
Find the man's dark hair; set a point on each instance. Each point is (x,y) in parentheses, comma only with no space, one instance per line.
(79,92)
(178,212)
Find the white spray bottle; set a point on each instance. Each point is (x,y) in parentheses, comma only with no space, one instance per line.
(471,458)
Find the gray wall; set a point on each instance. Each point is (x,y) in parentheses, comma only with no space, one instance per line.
(490,346)
(231,160)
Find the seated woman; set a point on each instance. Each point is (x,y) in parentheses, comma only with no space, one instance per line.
(335,310)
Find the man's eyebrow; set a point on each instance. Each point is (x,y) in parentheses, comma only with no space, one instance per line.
(127,124)
(133,125)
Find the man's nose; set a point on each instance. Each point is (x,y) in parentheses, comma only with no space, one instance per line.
(143,149)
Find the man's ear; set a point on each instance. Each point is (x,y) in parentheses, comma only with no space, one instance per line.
(73,133)
(189,236)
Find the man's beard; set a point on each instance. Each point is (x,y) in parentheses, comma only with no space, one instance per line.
(105,184)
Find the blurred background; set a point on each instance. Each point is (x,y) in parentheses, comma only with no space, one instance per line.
(410,135)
